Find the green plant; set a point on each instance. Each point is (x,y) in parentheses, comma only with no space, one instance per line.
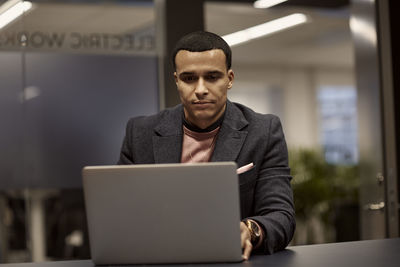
(319,188)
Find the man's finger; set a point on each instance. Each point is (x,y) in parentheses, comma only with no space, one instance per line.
(244,235)
(247,249)
(245,241)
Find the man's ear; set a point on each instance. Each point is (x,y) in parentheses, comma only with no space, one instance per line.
(231,77)
(176,77)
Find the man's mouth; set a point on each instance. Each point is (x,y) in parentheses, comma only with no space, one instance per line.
(202,102)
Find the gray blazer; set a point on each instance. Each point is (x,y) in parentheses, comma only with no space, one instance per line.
(244,137)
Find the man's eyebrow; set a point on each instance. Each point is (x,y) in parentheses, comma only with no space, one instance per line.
(186,73)
(214,72)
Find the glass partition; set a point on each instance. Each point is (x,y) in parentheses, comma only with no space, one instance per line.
(72,73)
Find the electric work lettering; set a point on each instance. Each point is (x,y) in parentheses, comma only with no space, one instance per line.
(77,41)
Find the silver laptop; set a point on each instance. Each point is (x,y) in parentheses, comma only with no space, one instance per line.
(163,213)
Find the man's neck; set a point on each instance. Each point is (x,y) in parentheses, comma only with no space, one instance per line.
(209,128)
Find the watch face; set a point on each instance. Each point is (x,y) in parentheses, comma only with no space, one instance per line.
(255,228)
(255,231)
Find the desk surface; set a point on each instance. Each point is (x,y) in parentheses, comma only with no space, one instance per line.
(384,252)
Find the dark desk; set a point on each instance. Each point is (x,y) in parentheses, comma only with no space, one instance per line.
(373,253)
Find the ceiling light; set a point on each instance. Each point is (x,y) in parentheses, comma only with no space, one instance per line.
(264,29)
(11,10)
(267,3)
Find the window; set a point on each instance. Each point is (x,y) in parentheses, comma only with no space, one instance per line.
(338,124)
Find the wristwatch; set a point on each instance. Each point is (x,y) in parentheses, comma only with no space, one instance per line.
(255,231)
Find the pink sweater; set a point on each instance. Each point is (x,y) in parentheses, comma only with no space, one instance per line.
(198,147)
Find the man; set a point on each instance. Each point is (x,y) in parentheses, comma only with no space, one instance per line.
(208,127)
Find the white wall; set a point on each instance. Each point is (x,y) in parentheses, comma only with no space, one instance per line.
(290,93)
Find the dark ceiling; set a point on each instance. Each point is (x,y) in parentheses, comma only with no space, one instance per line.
(302,3)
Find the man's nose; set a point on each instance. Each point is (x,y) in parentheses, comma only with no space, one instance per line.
(201,88)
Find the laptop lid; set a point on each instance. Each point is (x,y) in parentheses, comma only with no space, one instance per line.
(163,213)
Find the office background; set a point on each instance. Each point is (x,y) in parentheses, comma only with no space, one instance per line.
(73,72)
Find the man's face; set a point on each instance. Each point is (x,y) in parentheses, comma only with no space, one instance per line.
(203,81)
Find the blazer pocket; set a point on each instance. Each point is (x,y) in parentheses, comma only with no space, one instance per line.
(247,179)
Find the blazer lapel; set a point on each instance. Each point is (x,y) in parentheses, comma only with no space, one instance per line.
(167,143)
(231,136)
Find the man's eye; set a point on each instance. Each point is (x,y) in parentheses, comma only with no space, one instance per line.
(211,77)
(188,78)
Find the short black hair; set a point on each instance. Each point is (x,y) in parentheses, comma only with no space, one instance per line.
(200,41)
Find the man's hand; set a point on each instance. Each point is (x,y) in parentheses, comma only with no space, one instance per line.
(245,241)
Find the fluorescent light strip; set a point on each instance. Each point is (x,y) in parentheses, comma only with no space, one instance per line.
(267,3)
(13,12)
(267,28)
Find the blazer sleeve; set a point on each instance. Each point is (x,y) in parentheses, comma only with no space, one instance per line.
(126,156)
(273,195)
